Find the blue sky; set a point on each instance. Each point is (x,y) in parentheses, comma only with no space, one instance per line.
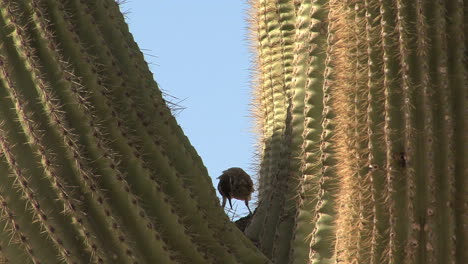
(198,52)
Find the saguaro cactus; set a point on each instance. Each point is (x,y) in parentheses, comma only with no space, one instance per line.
(362,111)
(93,166)
(379,88)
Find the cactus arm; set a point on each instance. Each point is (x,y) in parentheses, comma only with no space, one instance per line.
(266,64)
(186,167)
(278,171)
(119,38)
(31,130)
(270,96)
(156,166)
(86,121)
(170,131)
(274,89)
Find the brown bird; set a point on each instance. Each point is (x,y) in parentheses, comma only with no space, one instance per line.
(235,183)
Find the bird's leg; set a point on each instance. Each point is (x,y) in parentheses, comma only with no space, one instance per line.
(224,201)
(247,204)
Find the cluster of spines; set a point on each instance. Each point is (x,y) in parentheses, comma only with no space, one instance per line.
(90,130)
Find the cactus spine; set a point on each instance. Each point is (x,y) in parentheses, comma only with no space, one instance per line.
(383,176)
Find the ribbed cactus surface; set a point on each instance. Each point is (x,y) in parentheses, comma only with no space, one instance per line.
(400,130)
(93,166)
(362,110)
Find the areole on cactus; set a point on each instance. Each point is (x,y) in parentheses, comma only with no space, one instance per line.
(361,108)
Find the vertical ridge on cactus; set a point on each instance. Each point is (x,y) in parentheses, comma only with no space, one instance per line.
(375,121)
(457,42)
(312,209)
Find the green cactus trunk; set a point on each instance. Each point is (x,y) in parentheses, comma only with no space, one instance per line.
(381,87)
(93,166)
